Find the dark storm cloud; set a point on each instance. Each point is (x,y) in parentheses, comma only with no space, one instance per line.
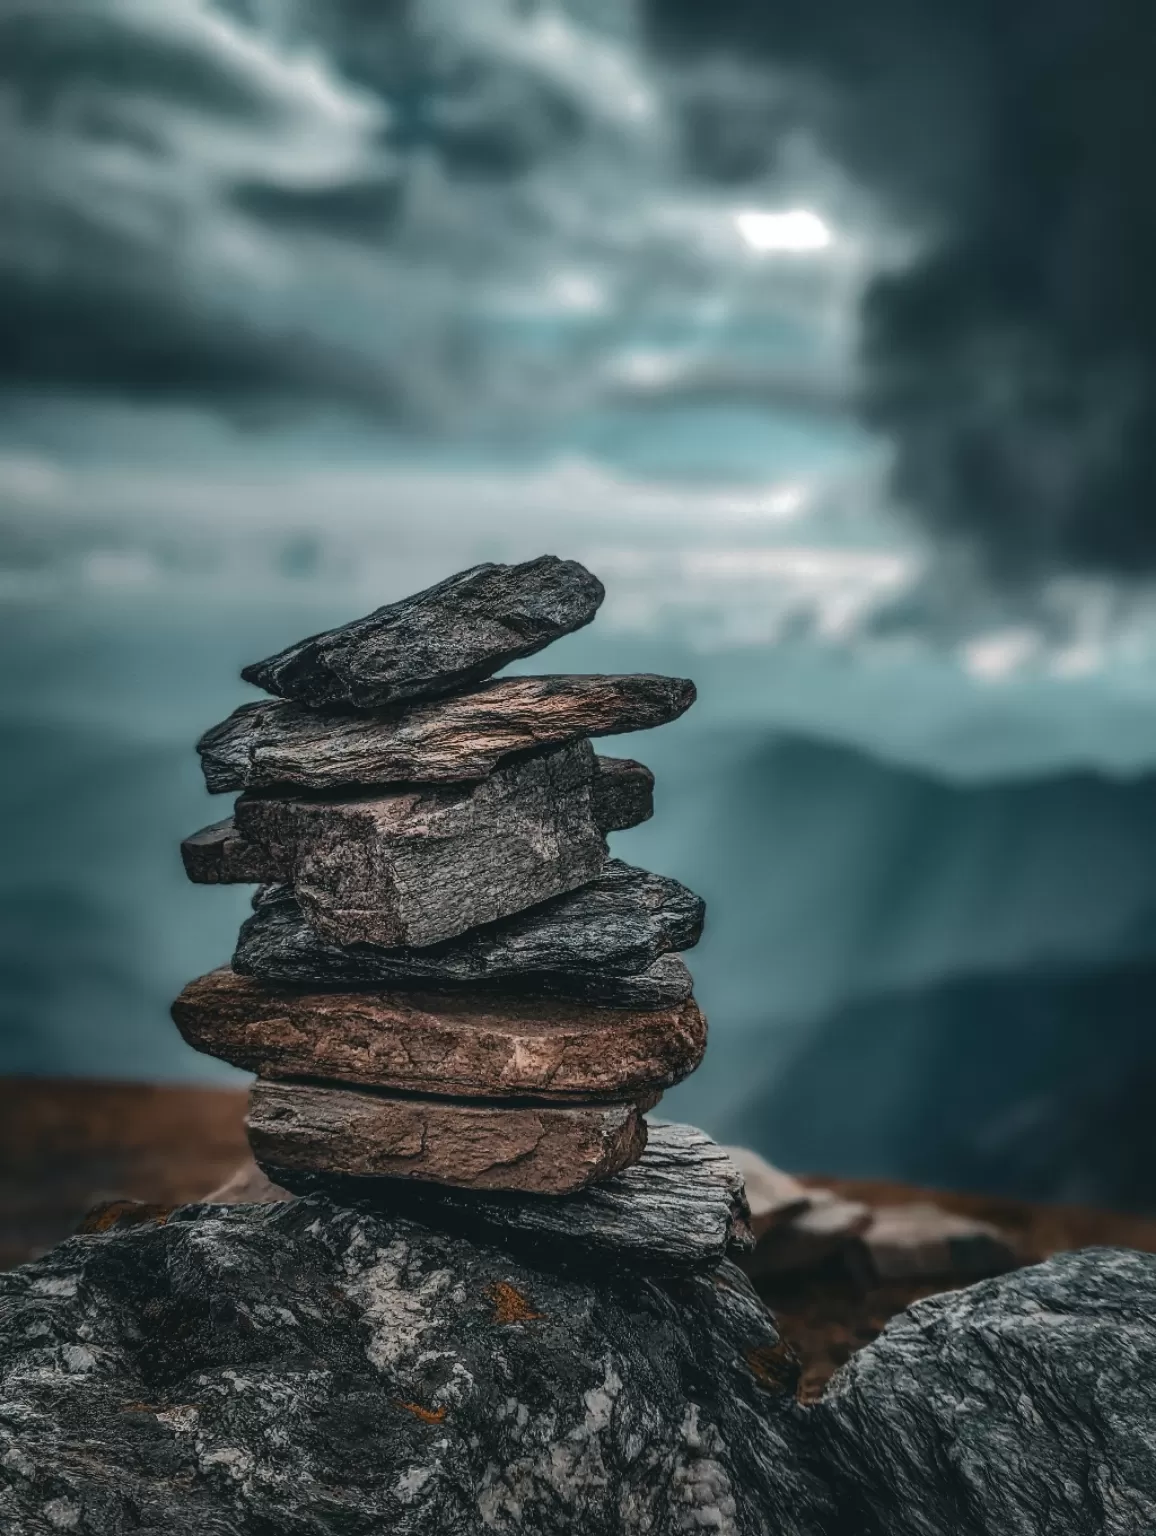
(1013,362)
(134,137)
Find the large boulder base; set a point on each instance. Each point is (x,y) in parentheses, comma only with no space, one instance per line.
(464,737)
(441,1043)
(606,942)
(419,866)
(299,1370)
(547,1149)
(447,637)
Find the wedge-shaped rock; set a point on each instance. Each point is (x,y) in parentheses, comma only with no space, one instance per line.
(540,1149)
(608,941)
(269,743)
(420,866)
(219,855)
(449,636)
(679,1209)
(442,1043)
(623,793)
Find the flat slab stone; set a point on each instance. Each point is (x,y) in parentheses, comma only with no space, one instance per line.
(442,1043)
(452,740)
(608,941)
(445,638)
(829,1226)
(545,1149)
(419,866)
(623,796)
(679,1209)
(774,1197)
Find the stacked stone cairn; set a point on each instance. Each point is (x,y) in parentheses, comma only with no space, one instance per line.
(448,991)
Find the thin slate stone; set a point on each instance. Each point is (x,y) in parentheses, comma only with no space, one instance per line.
(608,942)
(437,641)
(547,1149)
(270,743)
(679,1209)
(623,796)
(455,1043)
(419,866)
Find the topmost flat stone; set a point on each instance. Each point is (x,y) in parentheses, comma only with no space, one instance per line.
(451,635)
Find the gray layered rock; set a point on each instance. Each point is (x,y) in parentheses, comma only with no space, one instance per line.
(419,866)
(1020,1407)
(607,941)
(251,1370)
(680,1208)
(623,796)
(445,638)
(268,743)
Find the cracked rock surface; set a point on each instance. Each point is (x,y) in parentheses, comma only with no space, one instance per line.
(298,1370)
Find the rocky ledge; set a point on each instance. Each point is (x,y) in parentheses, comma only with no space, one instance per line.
(304,1369)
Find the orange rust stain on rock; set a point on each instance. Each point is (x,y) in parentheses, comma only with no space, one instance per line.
(122,1213)
(426,1415)
(510,1306)
(774,1366)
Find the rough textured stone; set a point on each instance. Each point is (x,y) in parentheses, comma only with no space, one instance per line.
(679,1208)
(919,1240)
(419,866)
(606,942)
(623,793)
(296,1370)
(623,796)
(447,637)
(1020,1407)
(774,1197)
(543,1148)
(441,1043)
(464,737)
(219,855)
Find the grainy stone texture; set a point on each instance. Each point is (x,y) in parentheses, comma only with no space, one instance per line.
(623,793)
(608,941)
(219,855)
(441,1043)
(1021,1407)
(464,737)
(623,796)
(544,1149)
(419,866)
(447,637)
(297,1370)
(680,1208)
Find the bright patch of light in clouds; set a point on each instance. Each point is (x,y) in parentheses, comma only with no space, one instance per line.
(796,230)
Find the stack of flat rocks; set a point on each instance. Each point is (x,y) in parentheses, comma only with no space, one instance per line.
(447,983)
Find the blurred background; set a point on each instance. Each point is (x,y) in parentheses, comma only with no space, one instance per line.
(824,334)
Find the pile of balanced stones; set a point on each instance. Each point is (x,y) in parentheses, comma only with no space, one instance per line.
(448,990)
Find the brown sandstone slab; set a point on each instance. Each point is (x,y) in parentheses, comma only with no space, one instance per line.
(444,638)
(623,796)
(452,740)
(442,1043)
(419,866)
(539,1149)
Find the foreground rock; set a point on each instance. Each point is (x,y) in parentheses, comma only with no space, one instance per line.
(395,1380)
(419,866)
(449,636)
(438,741)
(679,1209)
(607,942)
(1020,1407)
(441,1043)
(538,1148)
